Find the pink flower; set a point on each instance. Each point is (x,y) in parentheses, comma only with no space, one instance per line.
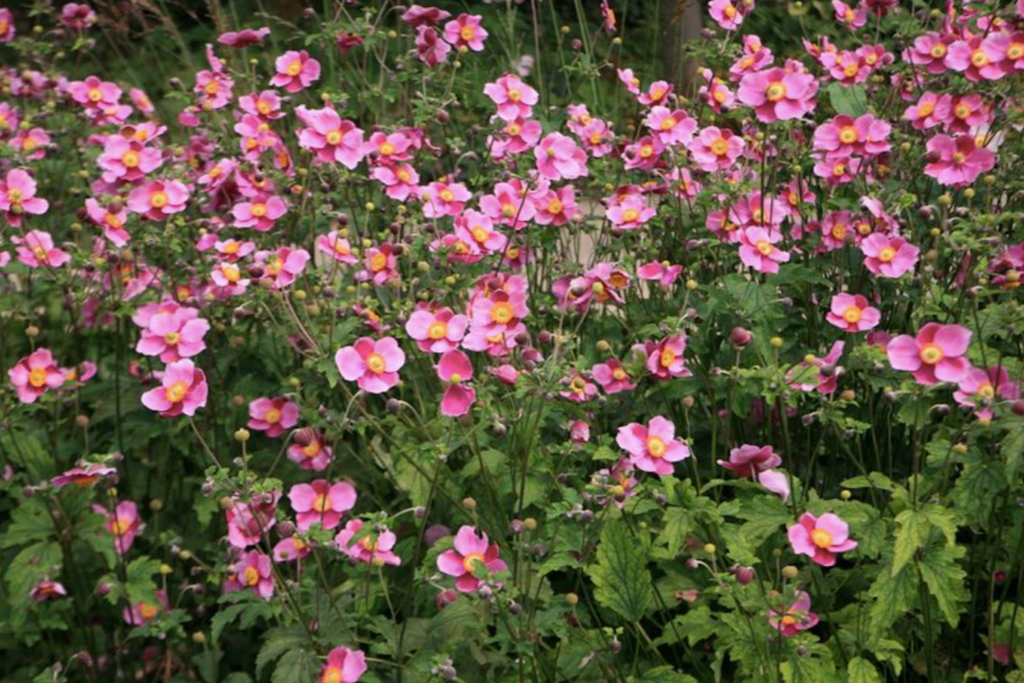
(455,369)
(727,14)
(657,93)
(755,57)
(977,58)
(36,250)
(122,523)
(259,212)
(381,264)
(266,104)
(853,313)
(665,358)
(430,49)
(282,266)
(34,375)
(776,482)
(343,666)
(321,503)
(930,51)
(158,199)
(214,89)
(652,448)
(420,16)
(559,158)
(644,154)
(372,547)
(477,228)
(578,388)
(254,571)
(982,387)
(715,93)
(337,247)
(295,71)
(244,38)
(555,207)
(112,222)
(579,432)
(466,31)
(174,335)
(472,555)
(1012,48)
(821,538)
(330,137)
(514,98)
(94,93)
(47,590)
(18,197)
(790,619)
(844,136)
(957,161)
(401,180)
(663,272)
(778,95)
(936,355)
(758,250)
(509,204)
(748,461)
(888,256)
(967,112)
(32,143)
(436,331)
(274,416)
(930,110)
(373,364)
(848,16)
(183,389)
(716,149)
(7,32)
(142,612)
(612,377)
(444,199)
(310,452)
(630,213)
(248,521)
(838,170)
(83,476)
(291,549)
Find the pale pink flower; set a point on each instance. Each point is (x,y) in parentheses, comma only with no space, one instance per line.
(273,416)
(937,354)
(821,538)
(977,59)
(716,149)
(84,475)
(747,461)
(401,180)
(36,250)
(657,93)
(555,207)
(612,377)
(778,95)
(248,521)
(853,313)
(790,619)
(520,135)
(477,228)
(34,375)
(559,158)
(321,503)
(851,18)
(158,199)
(337,247)
(260,212)
(630,213)
(715,93)
(228,277)
(95,93)
(123,523)
(514,98)
(310,451)
(373,546)
(727,14)
(173,335)
(473,554)
(845,136)
(466,31)
(888,256)
(33,143)
(343,666)
(254,571)
(653,448)
(665,358)
(183,390)
(981,388)
(18,197)
(644,154)
(282,266)
(420,16)
(758,250)
(957,160)
(430,48)
(112,222)
(295,71)
(329,137)
(509,204)
(671,127)
(776,482)
(455,369)
(265,104)
(444,199)
(373,364)
(837,170)
(436,331)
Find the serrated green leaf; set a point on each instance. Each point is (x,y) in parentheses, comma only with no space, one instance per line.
(295,666)
(764,515)
(677,525)
(30,522)
(945,579)
(621,578)
(278,642)
(1012,449)
(665,674)
(893,595)
(915,526)
(861,670)
(694,626)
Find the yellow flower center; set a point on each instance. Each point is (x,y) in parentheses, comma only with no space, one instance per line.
(555,206)
(29,144)
(838,170)
(958,157)
(886,254)
(668,357)
(176,392)
(259,210)
(630,215)
(513,129)
(263,107)
(320,503)
(1015,51)
(341,248)
(273,416)
(719,147)
(14,196)
(480,234)
(656,446)
(932,353)
(979,58)
(619,374)
(211,88)
(378,262)
(172,338)
(925,109)
(657,94)
(852,314)
(437,330)
(515,94)
(447,195)
(387,148)
(467,33)
(729,11)
(469,562)
(375,362)
(938,51)
(95,95)
(646,151)
(850,70)
(986,391)
(312,450)
(764,247)
(231,272)
(502,312)
(295,68)
(333,137)
(121,526)
(961,111)
(403,175)
(147,611)
(720,95)
(821,538)
(37,378)
(251,576)
(848,135)
(158,200)
(332,675)
(776,91)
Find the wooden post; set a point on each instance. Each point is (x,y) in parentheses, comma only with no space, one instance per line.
(680,21)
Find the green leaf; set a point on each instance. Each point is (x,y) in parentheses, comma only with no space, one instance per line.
(765,514)
(1012,449)
(238,677)
(696,625)
(945,579)
(246,612)
(677,525)
(665,674)
(894,594)
(279,641)
(848,100)
(915,526)
(30,522)
(621,578)
(814,665)
(862,671)
(295,666)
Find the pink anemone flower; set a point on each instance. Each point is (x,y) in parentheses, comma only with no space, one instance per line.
(853,313)
(797,616)
(778,95)
(373,364)
(436,331)
(18,197)
(295,71)
(321,503)
(343,666)
(653,448)
(748,460)
(273,416)
(183,390)
(34,375)
(173,335)
(957,160)
(821,538)
(372,547)
(888,256)
(471,556)
(455,369)
(937,354)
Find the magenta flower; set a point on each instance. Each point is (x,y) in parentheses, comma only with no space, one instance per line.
(936,355)
(46,590)
(142,612)
(266,104)
(848,16)
(310,452)
(430,48)
(291,549)
(436,331)
(758,250)
(33,143)
(472,554)
(337,247)
(477,228)
(716,149)
(244,38)
(630,213)
(653,448)
(123,523)
(94,93)
(321,503)
(18,197)
(373,547)
(331,138)
(259,212)
(665,358)
(748,461)
(930,51)
(821,538)
(662,272)
(980,388)
(254,571)
(845,136)
(797,616)
(183,389)
(36,250)
(158,199)
(778,95)
(514,98)
(930,110)
(957,160)
(83,476)
(853,313)
(559,158)
(424,16)
(977,58)
(373,364)
(578,388)
(34,375)
(248,521)
(888,256)
(343,666)
(455,369)
(7,32)
(509,205)
(555,207)
(174,335)
(274,416)
(727,14)
(112,222)
(401,180)
(381,263)
(612,377)
(283,266)
(466,31)
(295,71)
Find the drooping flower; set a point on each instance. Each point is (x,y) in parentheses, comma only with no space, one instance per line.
(776,482)
(18,197)
(343,666)
(83,475)
(652,448)
(34,375)
(321,503)
(296,70)
(111,221)
(143,612)
(888,256)
(245,38)
(937,354)
(748,460)
(853,313)
(472,554)
(373,364)
(183,390)
(821,538)
(790,619)
(46,590)
(372,547)
(273,416)
(430,48)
